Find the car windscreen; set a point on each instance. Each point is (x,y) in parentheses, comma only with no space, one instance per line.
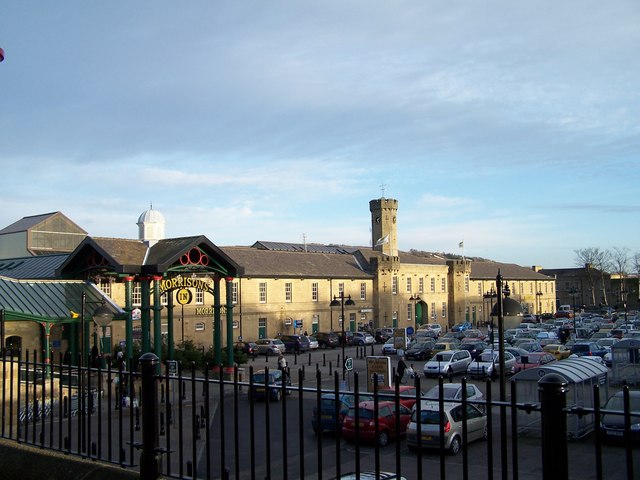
(442,357)
(488,357)
(617,403)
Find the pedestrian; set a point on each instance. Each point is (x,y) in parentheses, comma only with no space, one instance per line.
(282,366)
(401,369)
(411,372)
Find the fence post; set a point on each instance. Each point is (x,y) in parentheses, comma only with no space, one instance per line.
(149,460)
(553,399)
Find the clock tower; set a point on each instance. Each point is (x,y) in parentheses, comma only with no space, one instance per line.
(384,227)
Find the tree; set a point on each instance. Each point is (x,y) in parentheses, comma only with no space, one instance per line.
(594,258)
(620,266)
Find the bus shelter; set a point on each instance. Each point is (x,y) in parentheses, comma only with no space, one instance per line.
(581,374)
(625,362)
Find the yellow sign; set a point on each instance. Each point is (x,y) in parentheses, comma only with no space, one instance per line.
(380,366)
(184,296)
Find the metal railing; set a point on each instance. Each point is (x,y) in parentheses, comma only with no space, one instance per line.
(192,424)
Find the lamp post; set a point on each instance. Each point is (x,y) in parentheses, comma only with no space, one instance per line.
(341,301)
(103,318)
(489,296)
(539,297)
(574,293)
(415,299)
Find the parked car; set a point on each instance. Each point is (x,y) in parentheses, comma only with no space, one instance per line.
(327,339)
(557,350)
(313,343)
(429,416)
(516,352)
(420,350)
(295,343)
(588,349)
(487,364)
(407,394)
(474,334)
(270,346)
(461,327)
(453,391)
(366,431)
(271,385)
(473,346)
(448,362)
(533,359)
(250,348)
(612,424)
(434,327)
(362,338)
(389,347)
(326,418)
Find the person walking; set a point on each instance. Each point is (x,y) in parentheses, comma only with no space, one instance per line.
(401,369)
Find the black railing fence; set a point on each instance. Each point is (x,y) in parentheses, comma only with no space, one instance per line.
(231,423)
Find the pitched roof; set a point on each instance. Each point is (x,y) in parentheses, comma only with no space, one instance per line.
(269,263)
(40,267)
(26,223)
(509,271)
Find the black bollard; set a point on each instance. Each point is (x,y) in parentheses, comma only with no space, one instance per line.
(553,400)
(137,427)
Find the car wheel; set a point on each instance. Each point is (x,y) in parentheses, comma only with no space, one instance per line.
(383,438)
(485,433)
(454,448)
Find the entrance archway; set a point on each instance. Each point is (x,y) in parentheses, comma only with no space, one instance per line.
(14,344)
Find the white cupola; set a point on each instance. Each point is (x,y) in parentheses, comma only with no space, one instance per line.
(151,225)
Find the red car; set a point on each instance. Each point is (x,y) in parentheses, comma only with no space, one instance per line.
(367,424)
(407,395)
(532,360)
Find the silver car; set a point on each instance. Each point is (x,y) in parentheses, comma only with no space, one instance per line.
(487,364)
(448,362)
(270,346)
(429,417)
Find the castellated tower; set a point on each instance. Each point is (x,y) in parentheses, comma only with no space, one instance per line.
(384,228)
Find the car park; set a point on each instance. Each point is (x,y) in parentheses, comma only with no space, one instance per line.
(268,384)
(420,350)
(295,343)
(406,394)
(559,351)
(327,339)
(612,425)
(270,346)
(532,360)
(588,349)
(249,348)
(325,418)
(448,363)
(430,416)
(366,426)
(453,392)
(362,338)
(487,364)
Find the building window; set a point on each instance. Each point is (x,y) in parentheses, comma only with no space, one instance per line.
(409,285)
(199,296)
(444,309)
(466,284)
(288,287)
(314,291)
(262,290)
(531,288)
(234,292)
(409,312)
(443,285)
(200,327)
(479,288)
(363,291)
(164,298)
(394,285)
(433,284)
(421,285)
(341,289)
(105,287)
(433,311)
(136,294)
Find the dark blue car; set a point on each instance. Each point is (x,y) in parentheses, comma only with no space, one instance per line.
(273,384)
(326,418)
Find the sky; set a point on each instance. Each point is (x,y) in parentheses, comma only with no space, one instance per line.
(513,127)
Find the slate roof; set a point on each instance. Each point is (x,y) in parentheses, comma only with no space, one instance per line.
(26,223)
(509,271)
(40,267)
(269,263)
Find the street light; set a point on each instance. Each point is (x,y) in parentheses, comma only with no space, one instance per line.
(415,299)
(103,318)
(489,296)
(539,297)
(574,293)
(340,301)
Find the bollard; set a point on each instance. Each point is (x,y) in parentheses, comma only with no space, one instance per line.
(137,427)
(553,399)
(324,359)
(162,393)
(162,431)
(149,459)
(189,468)
(309,358)
(295,357)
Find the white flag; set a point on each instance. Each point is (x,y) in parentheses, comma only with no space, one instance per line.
(383,240)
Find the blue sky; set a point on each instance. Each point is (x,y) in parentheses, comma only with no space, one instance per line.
(513,126)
